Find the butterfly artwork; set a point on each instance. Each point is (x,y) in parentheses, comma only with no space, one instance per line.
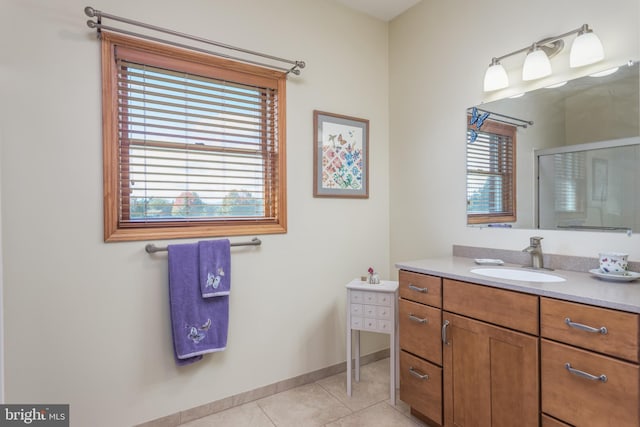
(473,135)
(477,119)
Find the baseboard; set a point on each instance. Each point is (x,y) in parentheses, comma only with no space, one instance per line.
(178,418)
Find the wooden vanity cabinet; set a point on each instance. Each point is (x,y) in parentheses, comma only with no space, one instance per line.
(514,359)
(590,372)
(490,371)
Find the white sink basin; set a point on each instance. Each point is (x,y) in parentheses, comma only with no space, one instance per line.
(518,274)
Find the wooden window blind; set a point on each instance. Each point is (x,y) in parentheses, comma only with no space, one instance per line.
(194,145)
(491,179)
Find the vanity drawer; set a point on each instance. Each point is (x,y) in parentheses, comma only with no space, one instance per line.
(421,288)
(505,308)
(421,386)
(622,329)
(420,330)
(582,401)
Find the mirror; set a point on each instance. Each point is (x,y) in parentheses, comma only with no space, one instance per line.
(601,110)
(591,186)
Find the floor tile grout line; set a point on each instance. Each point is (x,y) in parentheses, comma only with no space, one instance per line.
(265,412)
(335,397)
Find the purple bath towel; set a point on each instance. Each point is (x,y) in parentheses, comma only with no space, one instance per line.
(199,325)
(215,267)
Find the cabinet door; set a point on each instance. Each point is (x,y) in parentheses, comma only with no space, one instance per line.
(490,375)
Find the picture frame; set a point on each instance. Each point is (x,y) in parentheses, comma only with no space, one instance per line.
(340,156)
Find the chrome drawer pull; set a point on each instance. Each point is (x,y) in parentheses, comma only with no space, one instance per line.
(418,374)
(417,289)
(584,374)
(417,319)
(444,332)
(601,330)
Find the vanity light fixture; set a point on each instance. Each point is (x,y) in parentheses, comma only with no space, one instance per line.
(586,49)
(496,77)
(536,64)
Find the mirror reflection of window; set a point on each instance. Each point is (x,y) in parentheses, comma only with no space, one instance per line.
(491,179)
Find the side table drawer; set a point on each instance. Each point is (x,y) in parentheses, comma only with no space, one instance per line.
(357,297)
(357,322)
(384,313)
(376,325)
(372,298)
(370,311)
(385,299)
(357,309)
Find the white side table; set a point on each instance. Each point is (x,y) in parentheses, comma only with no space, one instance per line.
(373,308)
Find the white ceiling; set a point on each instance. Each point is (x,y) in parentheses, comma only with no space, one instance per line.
(385,10)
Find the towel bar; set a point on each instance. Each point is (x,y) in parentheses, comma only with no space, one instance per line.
(151,248)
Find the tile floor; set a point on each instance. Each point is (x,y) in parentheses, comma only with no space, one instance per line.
(323,403)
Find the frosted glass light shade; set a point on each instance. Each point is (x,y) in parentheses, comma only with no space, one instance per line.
(536,65)
(495,78)
(586,49)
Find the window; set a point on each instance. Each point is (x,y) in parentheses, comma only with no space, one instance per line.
(194,145)
(491,181)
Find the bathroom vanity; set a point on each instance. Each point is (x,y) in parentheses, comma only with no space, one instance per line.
(481,351)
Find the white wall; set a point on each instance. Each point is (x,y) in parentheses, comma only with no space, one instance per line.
(87,323)
(1,283)
(439,52)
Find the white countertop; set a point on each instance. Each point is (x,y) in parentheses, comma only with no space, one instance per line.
(579,287)
(383,286)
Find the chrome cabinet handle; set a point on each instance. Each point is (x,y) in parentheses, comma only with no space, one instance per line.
(417,374)
(417,319)
(584,374)
(601,330)
(444,332)
(417,289)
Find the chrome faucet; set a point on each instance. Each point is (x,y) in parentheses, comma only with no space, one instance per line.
(535,249)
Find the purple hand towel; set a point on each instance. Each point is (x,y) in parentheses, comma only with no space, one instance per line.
(199,325)
(215,267)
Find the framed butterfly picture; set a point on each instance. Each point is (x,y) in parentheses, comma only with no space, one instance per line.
(340,156)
